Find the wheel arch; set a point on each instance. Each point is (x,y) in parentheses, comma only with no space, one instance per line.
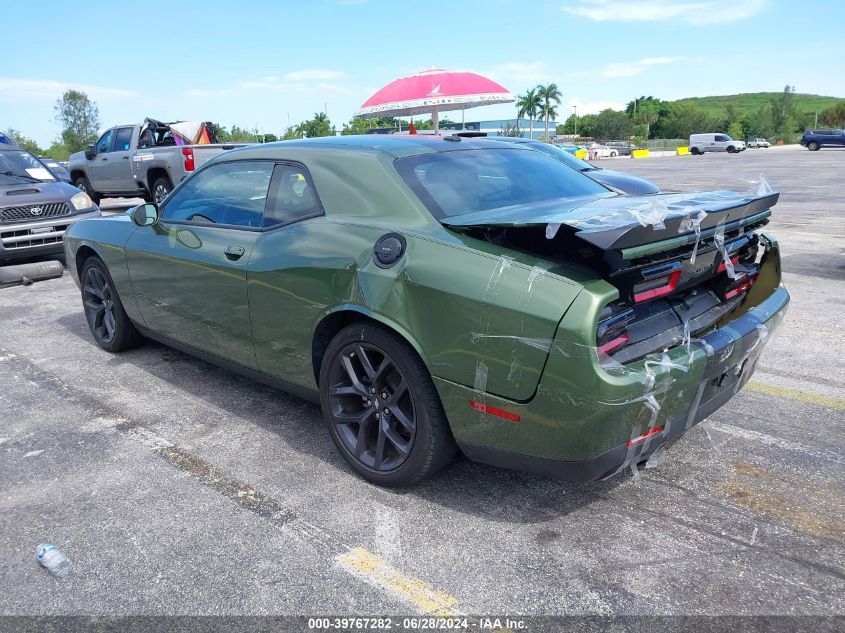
(82,255)
(334,321)
(154,173)
(77,173)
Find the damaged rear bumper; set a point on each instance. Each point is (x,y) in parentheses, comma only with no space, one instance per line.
(587,429)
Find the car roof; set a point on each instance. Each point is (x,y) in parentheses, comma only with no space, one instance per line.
(5,147)
(395,145)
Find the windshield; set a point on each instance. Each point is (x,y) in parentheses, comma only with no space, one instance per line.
(19,166)
(567,158)
(458,182)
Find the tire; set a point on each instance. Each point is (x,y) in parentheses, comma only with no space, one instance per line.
(694,151)
(83,185)
(731,149)
(813,146)
(161,187)
(613,154)
(109,324)
(394,449)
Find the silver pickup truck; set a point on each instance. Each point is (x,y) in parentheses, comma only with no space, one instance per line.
(143,160)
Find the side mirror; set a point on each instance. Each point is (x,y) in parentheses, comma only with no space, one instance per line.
(90,152)
(145,214)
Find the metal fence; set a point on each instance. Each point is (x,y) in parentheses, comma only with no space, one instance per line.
(665,144)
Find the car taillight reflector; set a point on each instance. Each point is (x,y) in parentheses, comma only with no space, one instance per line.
(188,155)
(501,413)
(642,438)
(723,266)
(745,285)
(657,286)
(616,343)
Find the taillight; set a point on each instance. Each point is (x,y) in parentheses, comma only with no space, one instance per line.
(612,330)
(658,281)
(723,266)
(188,157)
(744,285)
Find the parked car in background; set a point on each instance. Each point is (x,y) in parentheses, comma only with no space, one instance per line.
(626,183)
(714,142)
(144,160)
(56,168)
(579,336)
(622,148)
(597,150)
(823,137)
(758,142)
(35,208)
(576,150)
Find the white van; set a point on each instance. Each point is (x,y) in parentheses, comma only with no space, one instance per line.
(716,142)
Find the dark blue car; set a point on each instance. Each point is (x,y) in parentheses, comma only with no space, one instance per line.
(626,183)
(825,137)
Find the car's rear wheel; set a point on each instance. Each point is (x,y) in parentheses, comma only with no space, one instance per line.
(81,183)
(813,146)
(694,151)
(161,187)
(107,320)
(613,154)
(381,407)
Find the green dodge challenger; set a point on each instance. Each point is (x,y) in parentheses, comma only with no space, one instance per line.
(436,294)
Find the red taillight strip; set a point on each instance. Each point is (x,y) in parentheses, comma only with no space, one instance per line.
(743,286)
(723,266)
(619,341)
(501,413)
(674,278)
(642,438)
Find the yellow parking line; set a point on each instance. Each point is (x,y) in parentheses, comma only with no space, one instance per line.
(802,396)
(427,599)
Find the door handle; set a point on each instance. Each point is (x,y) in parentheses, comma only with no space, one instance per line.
(104,158)
(125,158)
(234,252)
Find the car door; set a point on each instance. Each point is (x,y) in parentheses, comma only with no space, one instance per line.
(98,166)
(188,270)
(292,272)
(116,164)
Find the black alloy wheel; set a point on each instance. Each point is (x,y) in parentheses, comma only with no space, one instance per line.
(381,407)
(372,407)
(107,320)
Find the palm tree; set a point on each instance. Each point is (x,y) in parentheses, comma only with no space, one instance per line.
(648,114)
(529,105)
(548,94)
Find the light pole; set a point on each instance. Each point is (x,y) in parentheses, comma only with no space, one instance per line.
(576,119)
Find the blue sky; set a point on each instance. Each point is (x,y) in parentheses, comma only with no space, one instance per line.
(266,63)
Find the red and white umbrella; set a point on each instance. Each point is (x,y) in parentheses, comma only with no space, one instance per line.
(434,91)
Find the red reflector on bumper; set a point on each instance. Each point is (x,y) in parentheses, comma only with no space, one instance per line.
(642,438)
(619,341)
(501,413)
(671,283)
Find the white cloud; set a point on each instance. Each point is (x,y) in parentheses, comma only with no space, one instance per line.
(519,73)
(15,89)
(629,69)
(696,12)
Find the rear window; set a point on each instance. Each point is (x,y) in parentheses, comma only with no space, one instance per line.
(465,181)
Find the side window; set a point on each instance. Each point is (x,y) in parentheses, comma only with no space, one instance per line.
(292,197)
(231,193)
(721,138)
(123,140)
(104,144)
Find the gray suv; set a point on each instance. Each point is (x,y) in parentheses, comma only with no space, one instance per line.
(35,208)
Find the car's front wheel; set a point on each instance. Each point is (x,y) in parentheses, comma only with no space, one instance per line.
(381,407)
(107,320)
(813,146)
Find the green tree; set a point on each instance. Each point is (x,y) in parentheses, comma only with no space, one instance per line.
(356,126)
(318,126)
(528,105)
(647,114)
(79,118)
(24,142)
(607,124)
(736,131)
(510,130)
(834,116)
(549,96)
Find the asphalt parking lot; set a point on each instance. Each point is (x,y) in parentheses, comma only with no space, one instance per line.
(179,488)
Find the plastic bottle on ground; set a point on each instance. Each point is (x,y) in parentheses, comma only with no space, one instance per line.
(53,560)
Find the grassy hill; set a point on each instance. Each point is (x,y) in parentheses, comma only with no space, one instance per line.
(751,102)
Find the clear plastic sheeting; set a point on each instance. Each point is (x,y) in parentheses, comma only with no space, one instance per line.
(651,214)
(692,224)
(719,241)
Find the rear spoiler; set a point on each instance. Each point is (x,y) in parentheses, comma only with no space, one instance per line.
(632,225)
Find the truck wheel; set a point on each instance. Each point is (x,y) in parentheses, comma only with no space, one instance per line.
(161,187)
(813,146)
(83,185)
(731,149)
(694,151)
